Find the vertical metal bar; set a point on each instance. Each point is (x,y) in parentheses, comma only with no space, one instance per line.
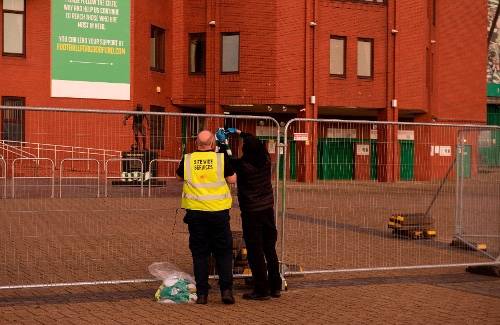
(106,178)
(13,177)
(53,179)
(457,183)
(283,195)
(276,213)
(149,183)
(142,179)
(4,168)
(98,176)
(61,177)
(461,189)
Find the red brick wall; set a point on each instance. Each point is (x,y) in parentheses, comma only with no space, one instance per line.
(290,51)
(144,80)
(352,20)
(256,21)
(412,40)
(272,39)
(280,63)
(461,60)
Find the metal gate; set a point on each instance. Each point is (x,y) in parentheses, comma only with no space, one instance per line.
(385,216)
(81,237)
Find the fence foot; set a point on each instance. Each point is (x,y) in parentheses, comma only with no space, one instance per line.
(461,242)
(489,270)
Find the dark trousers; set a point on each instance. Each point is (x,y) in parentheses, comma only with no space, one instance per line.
(210,232)
(260,234)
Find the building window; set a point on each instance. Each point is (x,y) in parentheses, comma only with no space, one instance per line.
(12,120)
(230,52)
(365,58)
(197,53)
(14,27)
(157,44)
(337,56)
(157,129)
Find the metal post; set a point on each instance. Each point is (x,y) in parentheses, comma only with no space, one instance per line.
(4,169)
(283,197)
(462,176)
(53,179)
(457,184)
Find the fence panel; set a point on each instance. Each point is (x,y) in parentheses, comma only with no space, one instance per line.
(80,238)
(478,221)
(76,182)
(362,195)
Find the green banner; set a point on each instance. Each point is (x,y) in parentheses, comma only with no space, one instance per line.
(493,90)
(90,45)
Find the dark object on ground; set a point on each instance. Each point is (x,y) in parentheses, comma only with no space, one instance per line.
(255,296)
(202,300)
(227,297)
(276,293)
(490,270)
(412,225)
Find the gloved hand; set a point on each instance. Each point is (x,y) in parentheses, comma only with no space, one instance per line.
(220,135)
(232,130)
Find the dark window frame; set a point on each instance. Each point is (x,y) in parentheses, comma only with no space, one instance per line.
(23,13)
(344,74)
(221,51)
(158,34)
(23,117)
(372,57)
(202,36)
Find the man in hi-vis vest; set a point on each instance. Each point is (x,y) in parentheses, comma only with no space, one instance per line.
(207,200)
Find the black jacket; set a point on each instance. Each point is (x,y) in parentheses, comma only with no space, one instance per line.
(255,190)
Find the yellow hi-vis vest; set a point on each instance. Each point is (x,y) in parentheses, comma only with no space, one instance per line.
(205,187)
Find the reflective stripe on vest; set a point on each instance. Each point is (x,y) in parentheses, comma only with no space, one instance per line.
(207,197)
(205,187)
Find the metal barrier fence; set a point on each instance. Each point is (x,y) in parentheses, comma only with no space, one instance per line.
(36,177)
(478,190)
(362,195)
(345,183)
(171,168)
(72,161)
(78,237)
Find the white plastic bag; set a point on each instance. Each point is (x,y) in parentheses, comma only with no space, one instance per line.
(177,286)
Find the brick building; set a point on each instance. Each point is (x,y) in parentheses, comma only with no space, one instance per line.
(383,60)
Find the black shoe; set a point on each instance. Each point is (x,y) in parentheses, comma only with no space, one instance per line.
(202,300)
(276,293)
(255,296)
(227,297)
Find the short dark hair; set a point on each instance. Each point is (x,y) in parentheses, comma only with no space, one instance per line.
(255,152)
(138,107)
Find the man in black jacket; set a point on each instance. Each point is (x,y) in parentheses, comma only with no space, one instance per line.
(256,200)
